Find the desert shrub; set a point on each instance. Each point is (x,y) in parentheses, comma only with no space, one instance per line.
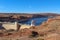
(34,34)
(17,39)
(40,39)
(9,33)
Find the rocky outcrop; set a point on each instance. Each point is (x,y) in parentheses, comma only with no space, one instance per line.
(48,30)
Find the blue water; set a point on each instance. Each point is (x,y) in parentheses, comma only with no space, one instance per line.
(38,21)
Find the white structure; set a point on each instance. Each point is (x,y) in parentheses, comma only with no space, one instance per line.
(15,25)
(23,26)
(8,26)
(32,23)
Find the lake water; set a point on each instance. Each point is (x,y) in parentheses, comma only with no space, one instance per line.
(38,20)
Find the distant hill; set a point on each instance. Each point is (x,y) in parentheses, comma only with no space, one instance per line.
(45,14)
(29,14)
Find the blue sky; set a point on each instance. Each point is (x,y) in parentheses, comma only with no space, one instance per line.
(30,6)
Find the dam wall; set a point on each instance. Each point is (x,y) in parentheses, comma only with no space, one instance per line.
(9,26)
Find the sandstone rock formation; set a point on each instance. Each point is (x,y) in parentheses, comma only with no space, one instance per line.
(48,30)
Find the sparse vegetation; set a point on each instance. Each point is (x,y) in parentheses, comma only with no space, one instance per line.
(9,33)
(40,39)
(17,39)
(34,34)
